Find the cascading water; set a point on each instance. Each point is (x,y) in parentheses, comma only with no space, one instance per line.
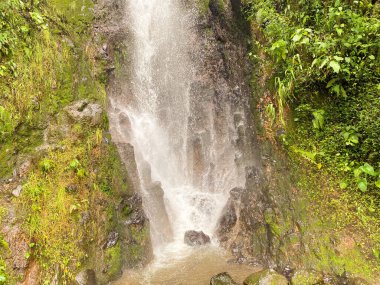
(185,138)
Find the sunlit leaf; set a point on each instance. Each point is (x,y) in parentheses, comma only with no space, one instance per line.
(335,66)
(362,184)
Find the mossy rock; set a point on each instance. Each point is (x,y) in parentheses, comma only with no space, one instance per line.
(266,277)
(222,279)
(307,277)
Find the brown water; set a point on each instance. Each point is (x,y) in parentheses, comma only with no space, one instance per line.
(195,269)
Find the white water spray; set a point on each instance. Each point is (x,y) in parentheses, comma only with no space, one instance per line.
(185,158)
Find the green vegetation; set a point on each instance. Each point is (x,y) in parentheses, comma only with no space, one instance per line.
(70,196)
(319,78)
(46,62)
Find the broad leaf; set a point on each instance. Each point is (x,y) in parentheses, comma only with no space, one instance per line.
(362,184)
(297,37)
(368,169)
(335,66)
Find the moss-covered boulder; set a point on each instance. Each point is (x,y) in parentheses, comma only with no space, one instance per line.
(307,277)
(266,277)
(222,279)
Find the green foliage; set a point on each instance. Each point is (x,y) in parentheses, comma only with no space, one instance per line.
(319,119)
(320,62)
(369,172)
(350,135)
(45,53)
(271,113)
(3,275)
(6,123)
(324,67)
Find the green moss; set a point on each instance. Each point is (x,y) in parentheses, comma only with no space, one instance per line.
(137,250)
(203,6)
(266,276)
(270,219)
(114,260)
(304,277)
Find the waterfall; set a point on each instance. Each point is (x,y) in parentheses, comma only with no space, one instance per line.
(184,132)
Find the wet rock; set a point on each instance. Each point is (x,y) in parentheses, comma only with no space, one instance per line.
(266,277)
(229,216)
(228,219)
(125,124)
(135,201)
(17,191)
(85,112)
(195,238)
(86,277)
(127,154)
(236,192)
(146,173)
(306,277)
(222,279)
(155,189)
(137,218)
(112,239)
(198,159)
(157,205)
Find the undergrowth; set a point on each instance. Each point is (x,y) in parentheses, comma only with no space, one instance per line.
(47,61)
(319,81)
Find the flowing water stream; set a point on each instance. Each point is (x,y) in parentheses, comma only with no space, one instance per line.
(184,141)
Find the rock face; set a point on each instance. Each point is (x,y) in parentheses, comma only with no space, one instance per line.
(18,246)
(127,155)
(266,277)
(230,216)
(222,279)
(194,238)
(85,112)
(86,277)
(32,276)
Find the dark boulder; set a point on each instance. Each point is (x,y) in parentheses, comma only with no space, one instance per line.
(194,238)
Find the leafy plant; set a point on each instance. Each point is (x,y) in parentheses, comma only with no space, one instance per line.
(270,113)
(279,50)
(368,171)
(46,165)
(351,136)
(319,119)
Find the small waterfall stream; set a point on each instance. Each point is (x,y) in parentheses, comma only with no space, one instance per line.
(184,135)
